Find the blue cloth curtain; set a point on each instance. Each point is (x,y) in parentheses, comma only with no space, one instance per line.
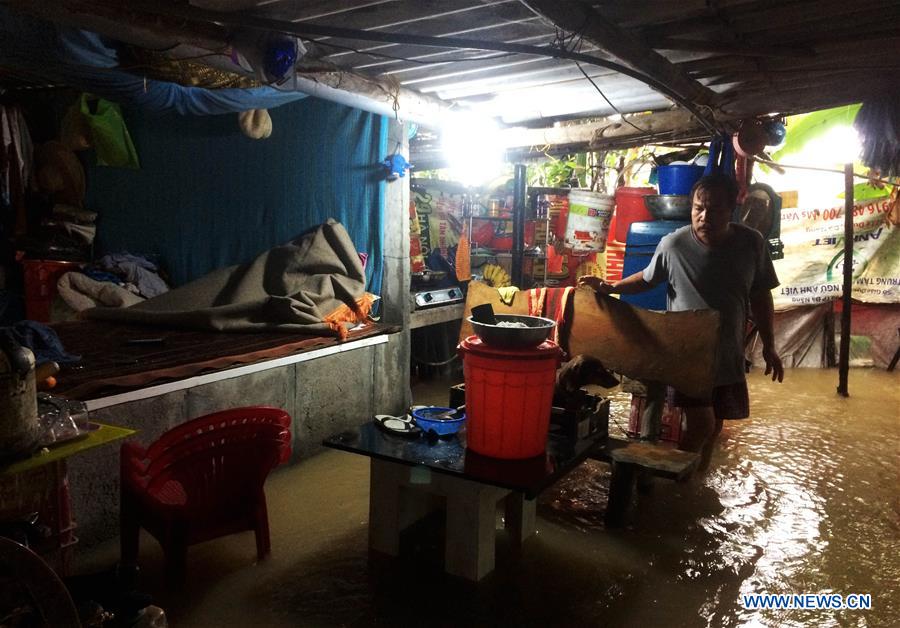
(207,196)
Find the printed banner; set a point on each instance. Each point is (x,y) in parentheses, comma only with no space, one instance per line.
(812,270)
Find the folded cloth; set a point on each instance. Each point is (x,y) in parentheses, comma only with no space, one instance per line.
(81,292)
(137,270)
(42,340)
(314,284)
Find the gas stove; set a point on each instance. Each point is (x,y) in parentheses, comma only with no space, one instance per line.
(437,297)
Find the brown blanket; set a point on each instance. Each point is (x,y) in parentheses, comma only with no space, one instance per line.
(314,284)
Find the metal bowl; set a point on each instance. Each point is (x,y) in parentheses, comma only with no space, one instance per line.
(669,206)
(514,337)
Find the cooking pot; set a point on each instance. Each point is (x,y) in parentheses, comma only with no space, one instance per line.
(537,329)
(668,206)
(428,277)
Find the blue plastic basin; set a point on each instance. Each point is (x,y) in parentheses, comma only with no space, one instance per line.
(425,419)
(678,178)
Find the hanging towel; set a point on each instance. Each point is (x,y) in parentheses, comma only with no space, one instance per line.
(550,303)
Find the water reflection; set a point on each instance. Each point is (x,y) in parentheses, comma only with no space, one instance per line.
(801,498)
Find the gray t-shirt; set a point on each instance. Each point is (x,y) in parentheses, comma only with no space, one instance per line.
(720,278)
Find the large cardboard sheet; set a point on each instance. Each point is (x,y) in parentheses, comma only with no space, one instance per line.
(676,348)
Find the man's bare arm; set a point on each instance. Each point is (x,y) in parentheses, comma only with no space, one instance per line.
(632,284)
(764,315)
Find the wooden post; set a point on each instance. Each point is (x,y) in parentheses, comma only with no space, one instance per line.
(844,357)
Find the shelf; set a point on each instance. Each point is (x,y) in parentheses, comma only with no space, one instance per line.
(499,219)
(525,255)
(436,314)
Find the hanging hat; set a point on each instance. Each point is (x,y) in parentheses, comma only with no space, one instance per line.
(255,123)
(59,174)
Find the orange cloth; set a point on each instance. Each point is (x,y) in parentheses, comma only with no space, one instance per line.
(550,303)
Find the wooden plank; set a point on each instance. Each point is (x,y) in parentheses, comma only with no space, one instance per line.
(661,460)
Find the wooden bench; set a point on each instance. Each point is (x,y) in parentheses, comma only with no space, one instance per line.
(628,457)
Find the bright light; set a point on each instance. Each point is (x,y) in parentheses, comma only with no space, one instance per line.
(473,148)
(837,146)
(831,150)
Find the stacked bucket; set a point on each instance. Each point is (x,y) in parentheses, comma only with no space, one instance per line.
(509,397)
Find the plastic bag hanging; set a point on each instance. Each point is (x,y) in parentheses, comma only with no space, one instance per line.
(109,135)
(721,156)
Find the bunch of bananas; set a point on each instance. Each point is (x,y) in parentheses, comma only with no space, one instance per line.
(495,276)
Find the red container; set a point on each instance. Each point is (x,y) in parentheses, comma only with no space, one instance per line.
(40,285)
(630,208)
(670,422)
(509,395)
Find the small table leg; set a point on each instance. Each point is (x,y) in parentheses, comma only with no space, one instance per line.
(521,514)
(384,506)
(620,488)
(471,533)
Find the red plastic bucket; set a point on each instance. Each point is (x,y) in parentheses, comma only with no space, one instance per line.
(630,208)
(509,395)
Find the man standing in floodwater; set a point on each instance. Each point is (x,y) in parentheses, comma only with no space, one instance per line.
(716,264)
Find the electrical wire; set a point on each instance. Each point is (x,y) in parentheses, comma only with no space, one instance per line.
(609,102)
(769,162)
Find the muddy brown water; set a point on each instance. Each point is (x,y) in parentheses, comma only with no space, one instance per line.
(801,498)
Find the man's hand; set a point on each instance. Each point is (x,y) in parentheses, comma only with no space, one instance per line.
(773,364)
(596,283)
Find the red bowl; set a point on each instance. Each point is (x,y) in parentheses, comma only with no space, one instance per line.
(502,243)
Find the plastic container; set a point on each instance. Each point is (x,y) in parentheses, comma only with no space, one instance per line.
(630,207)
(509,395)
(678,178)
(641,244)
(429,418)
(587,226)
(670,421)
(40,285)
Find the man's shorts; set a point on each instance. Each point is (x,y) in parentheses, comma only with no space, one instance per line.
(730,401)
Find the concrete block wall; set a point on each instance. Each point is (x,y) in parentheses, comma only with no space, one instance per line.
(324,396)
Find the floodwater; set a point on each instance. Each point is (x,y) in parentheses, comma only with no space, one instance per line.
(804,497)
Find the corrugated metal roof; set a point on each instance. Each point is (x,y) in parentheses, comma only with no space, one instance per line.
(762,55)
(743,57)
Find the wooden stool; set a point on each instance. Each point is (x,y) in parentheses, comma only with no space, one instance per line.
(627,457)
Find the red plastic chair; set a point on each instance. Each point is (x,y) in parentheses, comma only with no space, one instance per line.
(202,480)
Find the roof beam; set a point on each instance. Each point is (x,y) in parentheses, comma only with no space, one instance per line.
(580,18)
(732,48)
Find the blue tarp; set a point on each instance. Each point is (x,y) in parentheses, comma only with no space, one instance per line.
(207,196)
